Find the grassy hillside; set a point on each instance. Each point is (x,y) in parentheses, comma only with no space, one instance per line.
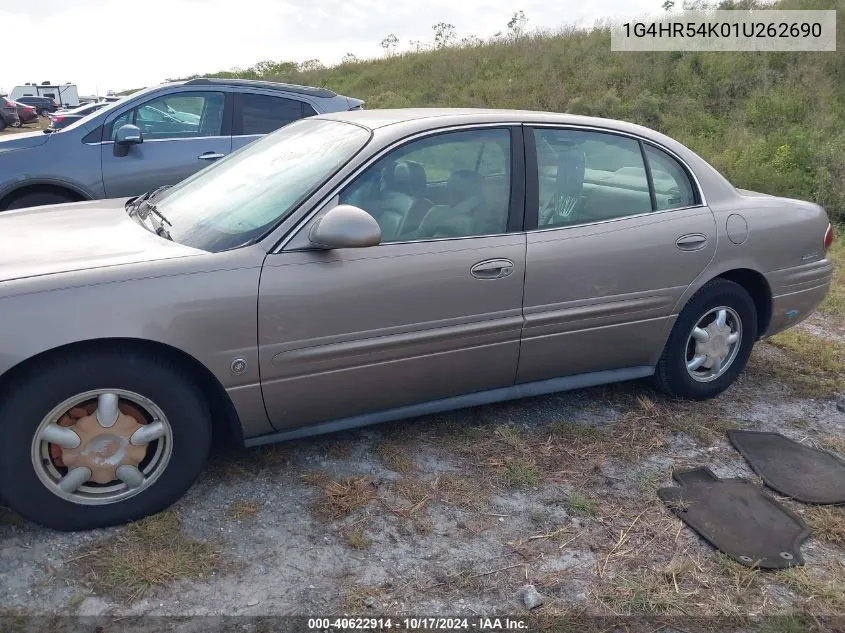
(773,122)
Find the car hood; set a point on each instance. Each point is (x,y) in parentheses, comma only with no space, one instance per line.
(77,236)
(14,142)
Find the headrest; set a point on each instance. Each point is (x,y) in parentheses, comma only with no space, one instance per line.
(410,177)
(571,164)
(465,183)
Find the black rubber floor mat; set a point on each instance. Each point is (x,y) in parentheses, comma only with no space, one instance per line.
(738,518)
(797,471)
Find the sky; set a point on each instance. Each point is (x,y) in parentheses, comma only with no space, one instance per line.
(103,45)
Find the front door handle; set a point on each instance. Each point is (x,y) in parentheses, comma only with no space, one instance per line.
(210,156)
(691,242)
(492,269)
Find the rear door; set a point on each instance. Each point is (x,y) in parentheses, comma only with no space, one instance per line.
(259,113)
(184,131)
(618,232)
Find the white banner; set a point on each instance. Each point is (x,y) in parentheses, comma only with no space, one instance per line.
(729,31)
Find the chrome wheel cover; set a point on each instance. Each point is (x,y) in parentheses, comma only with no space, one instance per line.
(103,442)
(713,344)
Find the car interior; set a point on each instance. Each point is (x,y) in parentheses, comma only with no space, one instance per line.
(159,119)
(434,198)
(579,183)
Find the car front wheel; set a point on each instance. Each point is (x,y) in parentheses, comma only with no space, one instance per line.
(710,343)
(100,438)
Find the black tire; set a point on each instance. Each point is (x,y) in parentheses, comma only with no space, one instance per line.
(43,112)
(2,124)
(37,199)
(671,375)
(35,394)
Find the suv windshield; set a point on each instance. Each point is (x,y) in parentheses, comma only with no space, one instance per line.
(239,198)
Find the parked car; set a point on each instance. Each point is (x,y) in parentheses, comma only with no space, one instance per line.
(62,118)
(44,105)
(361,267)
(26,113)
(191,123)
(8,113)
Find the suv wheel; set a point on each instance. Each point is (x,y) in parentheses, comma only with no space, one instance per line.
(38,199)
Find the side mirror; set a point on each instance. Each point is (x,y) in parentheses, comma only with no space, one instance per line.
(345,226)
(127,135)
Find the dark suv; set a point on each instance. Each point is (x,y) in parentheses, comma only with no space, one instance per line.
(155,137)
(42,105)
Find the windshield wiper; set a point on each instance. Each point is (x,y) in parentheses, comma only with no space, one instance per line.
(143,207)
(160,230)
(135,203)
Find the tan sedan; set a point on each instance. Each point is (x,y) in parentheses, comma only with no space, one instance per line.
(369,266)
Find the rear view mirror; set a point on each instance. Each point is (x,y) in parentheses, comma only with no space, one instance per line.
(345,226)
(125,136)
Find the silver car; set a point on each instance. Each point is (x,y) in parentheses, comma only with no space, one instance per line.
(361,267)
(153,138)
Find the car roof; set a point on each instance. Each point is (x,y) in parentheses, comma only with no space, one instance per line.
(419,119)
(266,85)
(441,117)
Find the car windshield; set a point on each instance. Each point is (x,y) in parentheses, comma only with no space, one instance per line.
(238,199)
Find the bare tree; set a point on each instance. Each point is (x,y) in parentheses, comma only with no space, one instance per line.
(350,58)
(444,34)
(311,64)
(668,5)
(389,44)
(516,25)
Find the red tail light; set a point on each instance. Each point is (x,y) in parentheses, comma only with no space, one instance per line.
(56,119)
(828,237)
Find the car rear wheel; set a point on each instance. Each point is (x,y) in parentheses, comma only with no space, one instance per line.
(2,124)
(100,438)
(37,199)
(710,343)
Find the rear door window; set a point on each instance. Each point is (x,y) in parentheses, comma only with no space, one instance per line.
(262,114)
(672,186)
(589,177)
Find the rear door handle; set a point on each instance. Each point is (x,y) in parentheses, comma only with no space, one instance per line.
(691,241)
(210,156)
(492,269)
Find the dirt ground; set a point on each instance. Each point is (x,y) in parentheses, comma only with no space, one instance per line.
(40,124)
(453,514)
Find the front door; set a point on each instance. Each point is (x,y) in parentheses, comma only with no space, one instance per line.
(620,234)
(434,311)
(183,132)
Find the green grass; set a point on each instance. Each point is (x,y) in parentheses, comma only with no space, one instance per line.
(520,473)
(773,122)
(816,367)
(579,504)
(152,552)
(834,303)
